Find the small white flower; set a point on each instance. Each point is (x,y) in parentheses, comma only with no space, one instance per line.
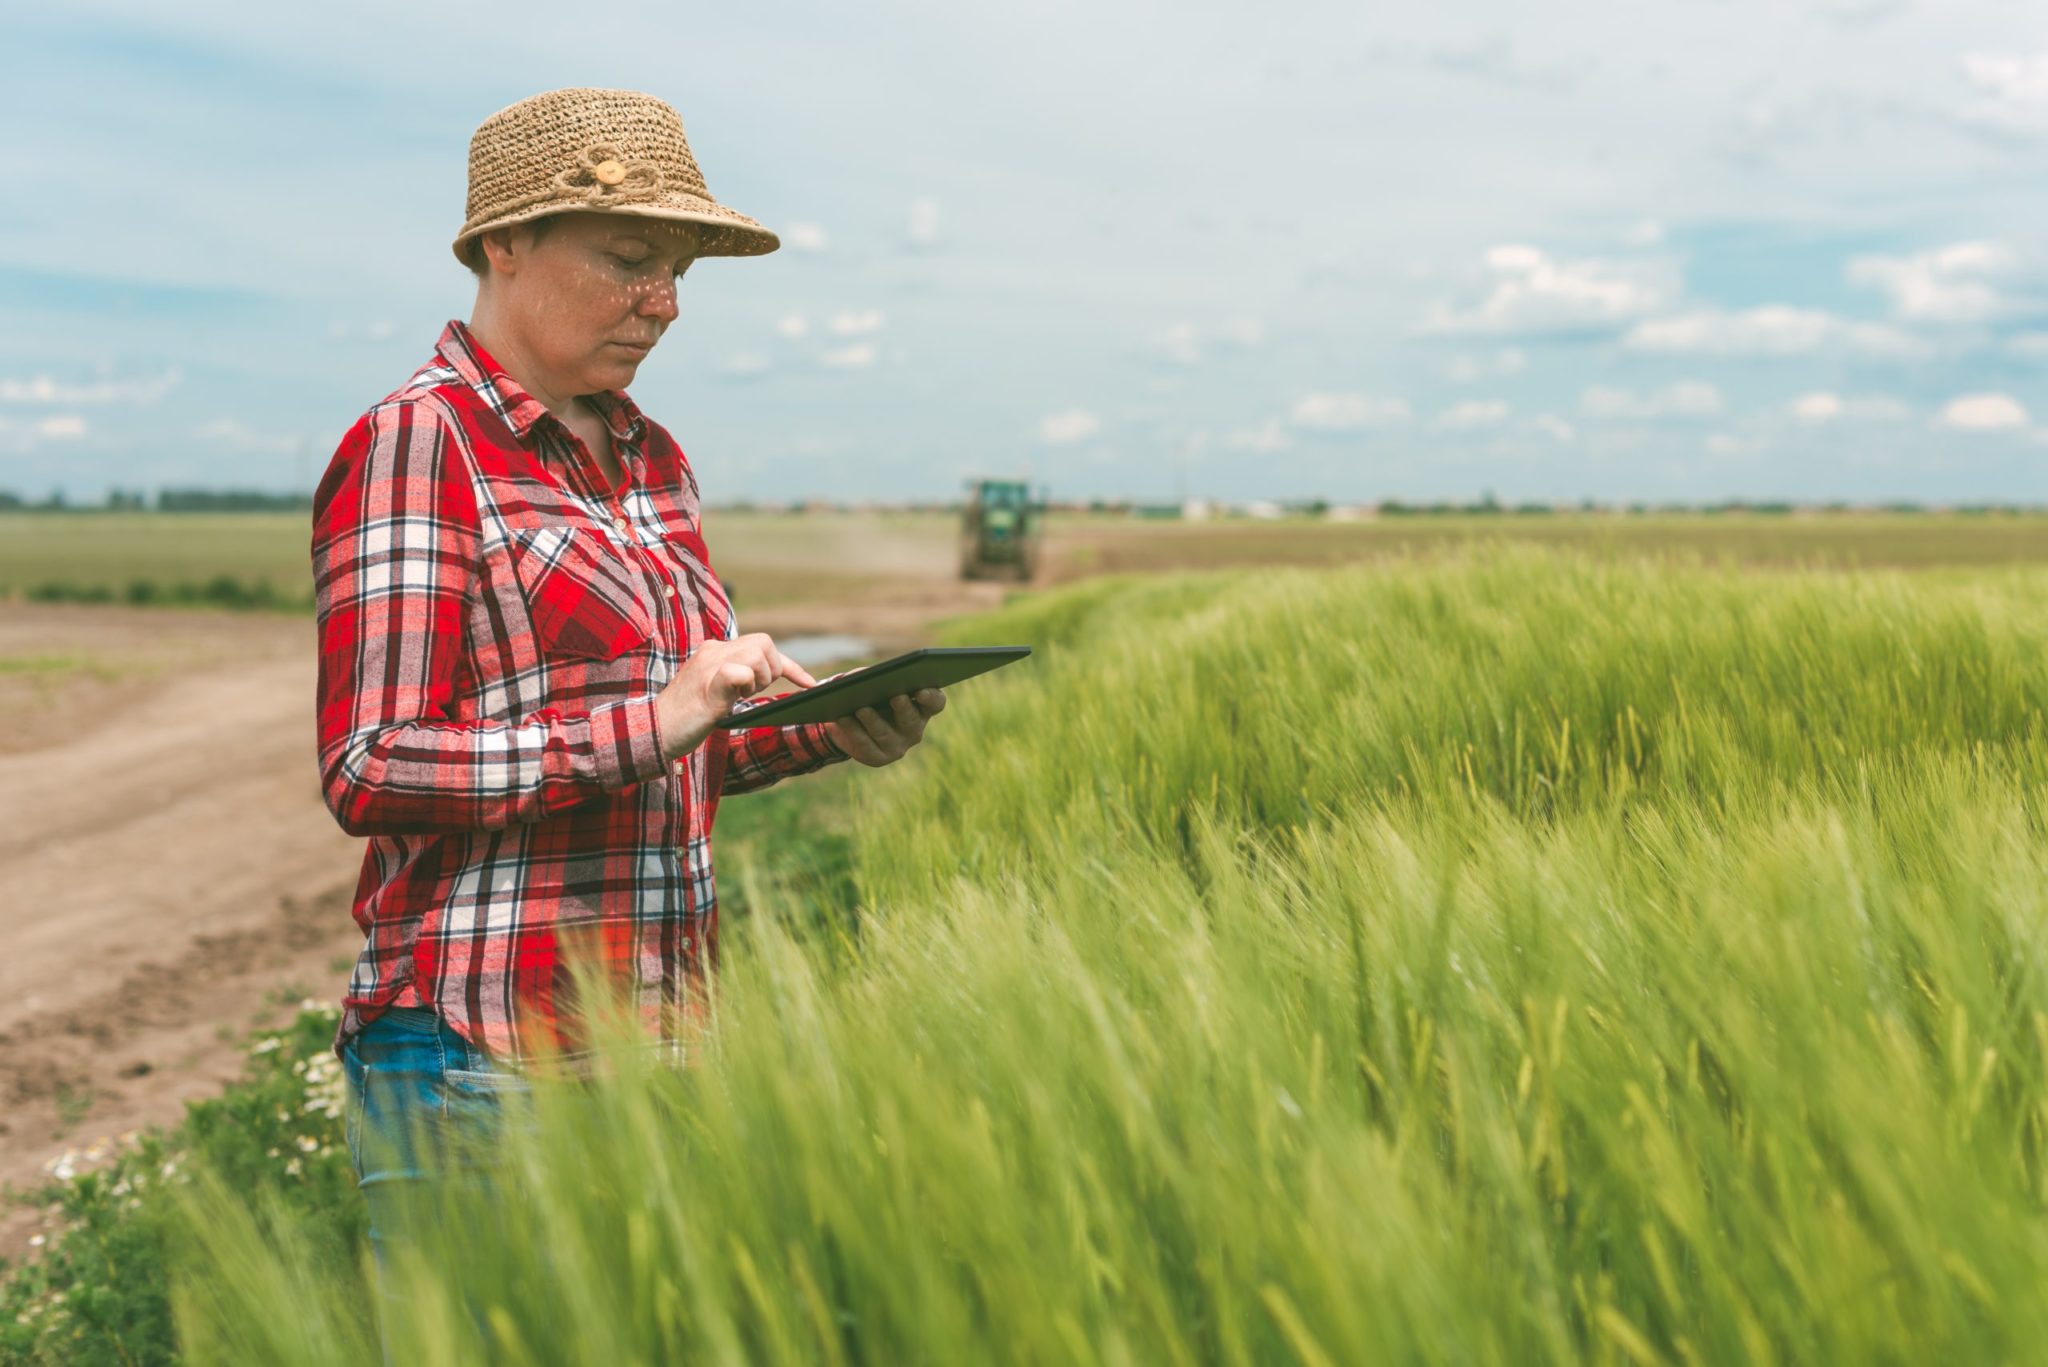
(35,1241)
(269,1046)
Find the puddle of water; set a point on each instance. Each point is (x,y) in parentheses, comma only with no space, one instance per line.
(815,652)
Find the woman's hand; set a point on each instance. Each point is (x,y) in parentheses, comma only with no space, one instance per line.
(718,675)
(875,740)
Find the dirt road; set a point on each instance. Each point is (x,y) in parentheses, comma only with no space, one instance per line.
(171,878)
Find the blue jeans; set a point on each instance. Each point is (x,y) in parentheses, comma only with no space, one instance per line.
(418,1096)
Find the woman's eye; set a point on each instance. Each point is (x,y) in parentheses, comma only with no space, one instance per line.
(629,265)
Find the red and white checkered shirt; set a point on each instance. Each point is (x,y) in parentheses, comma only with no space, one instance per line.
(494,626)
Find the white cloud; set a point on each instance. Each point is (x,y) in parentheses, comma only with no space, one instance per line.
(1772,330)
(745,364)
(854,324)
(1470,368)
(1683,399)
(1552,426)
(1494,58)
(1188,345)
(1525,290)
(1471,414)
(25,434)
(1824,406)
(1953,284)
(2032,345)
(1267,438)
(803,237)
(921,227)
(1857,13)
(43,389)
(1060,429)
(367,332)
(1817,407)
(2012,91)
(1346,412)
(1731,444)
(1983,413)
(1646,233)
(855,357)
(793,325)
(233,433)
(1177,344)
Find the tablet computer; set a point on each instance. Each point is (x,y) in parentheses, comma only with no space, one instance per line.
(937,667)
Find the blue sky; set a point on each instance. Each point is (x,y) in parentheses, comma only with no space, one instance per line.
(1695,249)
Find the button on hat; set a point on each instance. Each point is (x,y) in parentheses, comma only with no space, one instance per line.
(608,151)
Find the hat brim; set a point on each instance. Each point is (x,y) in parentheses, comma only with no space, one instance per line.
(734,234)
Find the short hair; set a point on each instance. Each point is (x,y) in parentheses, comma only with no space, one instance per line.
(473,250)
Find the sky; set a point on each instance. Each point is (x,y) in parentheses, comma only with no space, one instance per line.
(1667,250)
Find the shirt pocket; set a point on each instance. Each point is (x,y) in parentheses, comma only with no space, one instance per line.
(705,586)
(583,599)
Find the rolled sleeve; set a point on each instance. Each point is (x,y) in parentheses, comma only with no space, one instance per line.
(764,755)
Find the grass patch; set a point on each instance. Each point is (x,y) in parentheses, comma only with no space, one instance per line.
(54,666)
(100,1290)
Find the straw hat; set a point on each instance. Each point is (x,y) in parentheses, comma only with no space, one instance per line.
(613,151)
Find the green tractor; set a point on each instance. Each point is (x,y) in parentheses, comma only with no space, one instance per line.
(999,530)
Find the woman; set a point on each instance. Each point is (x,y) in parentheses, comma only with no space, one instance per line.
(523,646)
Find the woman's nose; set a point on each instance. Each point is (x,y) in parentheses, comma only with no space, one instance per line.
(658,300)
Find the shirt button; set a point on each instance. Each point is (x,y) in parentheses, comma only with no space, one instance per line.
(668,590)
(625,527)
(682,767)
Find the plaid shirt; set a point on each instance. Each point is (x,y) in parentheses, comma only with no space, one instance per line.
(494,625)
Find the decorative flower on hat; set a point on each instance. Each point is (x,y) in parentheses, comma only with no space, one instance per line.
(601,175)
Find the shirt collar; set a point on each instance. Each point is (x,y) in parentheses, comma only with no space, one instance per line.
(508,398)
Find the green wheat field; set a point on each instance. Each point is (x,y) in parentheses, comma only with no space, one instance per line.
(1509,955)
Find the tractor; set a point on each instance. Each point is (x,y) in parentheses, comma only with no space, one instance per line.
(999,530)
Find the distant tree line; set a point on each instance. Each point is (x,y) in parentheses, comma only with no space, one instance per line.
(170,500)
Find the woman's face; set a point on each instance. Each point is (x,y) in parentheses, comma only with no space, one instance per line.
(592,296)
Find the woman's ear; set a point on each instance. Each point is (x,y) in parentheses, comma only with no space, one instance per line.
(505,249)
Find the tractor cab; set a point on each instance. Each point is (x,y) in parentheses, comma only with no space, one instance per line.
(999,530)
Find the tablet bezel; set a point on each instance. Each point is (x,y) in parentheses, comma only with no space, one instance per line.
(938,676)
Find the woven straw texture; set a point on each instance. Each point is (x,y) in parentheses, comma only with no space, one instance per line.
(611,151)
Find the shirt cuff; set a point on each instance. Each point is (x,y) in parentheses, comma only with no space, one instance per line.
(819,734)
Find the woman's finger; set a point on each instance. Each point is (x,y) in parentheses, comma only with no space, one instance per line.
(857,744)
(909,721)
(794,672)
(854,739)
(931,701)
(736,680)
(879,731)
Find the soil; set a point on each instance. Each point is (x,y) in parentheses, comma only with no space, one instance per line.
(172,879)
